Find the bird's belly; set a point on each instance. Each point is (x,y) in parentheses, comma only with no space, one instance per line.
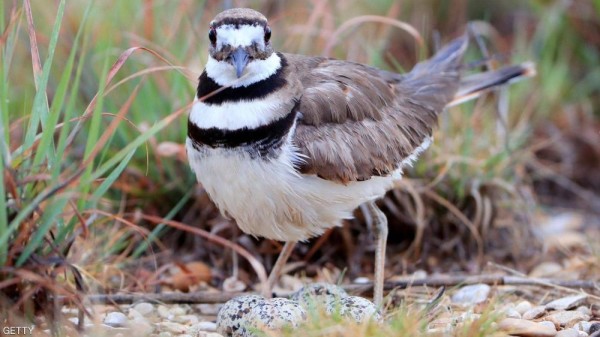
(268,198)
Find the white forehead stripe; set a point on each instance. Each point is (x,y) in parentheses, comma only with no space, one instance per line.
(244,35)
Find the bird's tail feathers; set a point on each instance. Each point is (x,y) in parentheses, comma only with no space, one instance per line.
(473,86)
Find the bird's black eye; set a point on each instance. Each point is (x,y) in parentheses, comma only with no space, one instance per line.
(212,36)
(267,34)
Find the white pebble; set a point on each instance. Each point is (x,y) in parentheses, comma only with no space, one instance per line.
(177,311)
(144,308)
(584,326)
(361,280)
(472,294)
(172,327)
(165,313)
(547,324)
(523,307)
(135,315)
(187,319)
(566,303)
(141,328)
(206,326)
(115,319)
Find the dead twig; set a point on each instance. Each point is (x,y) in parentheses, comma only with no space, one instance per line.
(441,281)
(171,297)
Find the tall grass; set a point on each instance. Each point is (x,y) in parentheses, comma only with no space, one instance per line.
(66,141)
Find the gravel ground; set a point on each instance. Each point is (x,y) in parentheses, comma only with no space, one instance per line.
(575,315)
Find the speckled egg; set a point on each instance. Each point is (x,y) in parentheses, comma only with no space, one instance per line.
(245,315)
(319,289)
(232,318)
(357,308)
(318,294)
(333,299)
(277,313)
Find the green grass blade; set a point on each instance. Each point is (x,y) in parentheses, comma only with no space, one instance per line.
(93,134)
(40,111)
(107,183)
(160,227)
(58,101)
(51,213)
(69,110)
(135,143)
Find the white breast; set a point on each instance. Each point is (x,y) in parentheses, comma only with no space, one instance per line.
(268,198)
(237,115)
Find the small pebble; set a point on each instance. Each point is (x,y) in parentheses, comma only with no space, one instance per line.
(535,312)
(472,294)
(547,324)
(595,327)
(141,328)
(232,284)
(568,333)
(583,326)
(164,312)
(585,310)
(144,308)
(524,328)
(134,314)
(361,280)
(546,269)
(187,319)
(468,316)
(171,327)
(419,274)
(116,319)
(566,303)
(209,309)
(177,311)
(203,326)
(566,318)
(512,313)
(523,307)
(207,334)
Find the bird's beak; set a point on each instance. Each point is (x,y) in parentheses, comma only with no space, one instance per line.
(240,59)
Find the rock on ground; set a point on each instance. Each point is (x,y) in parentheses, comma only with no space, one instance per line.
(472,294)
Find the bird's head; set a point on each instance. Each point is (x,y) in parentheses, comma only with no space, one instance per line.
(239,38)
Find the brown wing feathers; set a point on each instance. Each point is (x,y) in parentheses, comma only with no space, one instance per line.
(369,121)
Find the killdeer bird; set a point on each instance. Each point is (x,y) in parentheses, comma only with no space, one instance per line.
(290,145)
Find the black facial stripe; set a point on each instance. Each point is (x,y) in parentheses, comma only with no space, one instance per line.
(256,90)
(263,141)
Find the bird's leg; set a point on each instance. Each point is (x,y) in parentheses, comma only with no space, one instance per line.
(286,251)
(381,232)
